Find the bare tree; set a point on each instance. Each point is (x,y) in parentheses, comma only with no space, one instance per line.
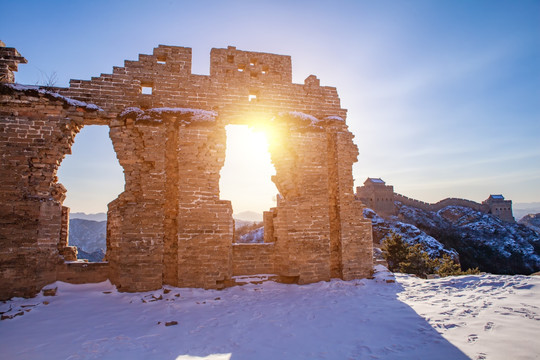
(47,79)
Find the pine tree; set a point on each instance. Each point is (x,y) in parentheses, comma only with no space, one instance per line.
(395,251)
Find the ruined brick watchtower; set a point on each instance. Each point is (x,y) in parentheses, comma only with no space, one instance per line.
(167,126)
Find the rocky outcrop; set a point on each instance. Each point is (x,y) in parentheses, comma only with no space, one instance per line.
(88,235)
(532,221)
(481,240)
(411,234)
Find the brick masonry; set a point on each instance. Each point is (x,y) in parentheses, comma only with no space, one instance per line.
(167,126)
(37,131)
(253,259)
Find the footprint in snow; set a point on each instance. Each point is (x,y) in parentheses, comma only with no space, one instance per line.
(472,338)
(489,326)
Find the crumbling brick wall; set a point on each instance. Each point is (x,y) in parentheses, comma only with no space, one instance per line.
(167,126)
(253,259)
(37,131)
(9,62)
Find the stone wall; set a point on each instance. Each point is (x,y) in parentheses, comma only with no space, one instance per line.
(375,197)
(458,202)
(235,78)
(405,200)
(440,204)
(9,62)
(170,226)
(37,131)
(82,272)
(252,259)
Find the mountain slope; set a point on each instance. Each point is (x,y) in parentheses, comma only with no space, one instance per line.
(84,216)
(410,233)
(89,237)
(482,240)
(532,221)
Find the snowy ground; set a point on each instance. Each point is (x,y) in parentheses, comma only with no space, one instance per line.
(478,317)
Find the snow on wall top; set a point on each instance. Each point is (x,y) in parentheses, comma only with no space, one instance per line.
(157,114)
(44,91)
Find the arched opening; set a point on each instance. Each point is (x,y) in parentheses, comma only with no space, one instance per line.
(93,178)
(246,181)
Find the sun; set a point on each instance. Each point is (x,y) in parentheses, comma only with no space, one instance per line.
(247,172)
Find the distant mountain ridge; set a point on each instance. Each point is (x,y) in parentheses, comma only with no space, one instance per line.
(248,216)
(523,209)
(95,217)
(532,221)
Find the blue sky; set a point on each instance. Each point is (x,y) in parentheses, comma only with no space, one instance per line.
(443,96)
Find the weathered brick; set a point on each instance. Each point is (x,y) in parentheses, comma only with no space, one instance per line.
(169,226)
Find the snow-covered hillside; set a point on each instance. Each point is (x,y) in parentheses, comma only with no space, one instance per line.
(478,317)
(89,237)
(480,239)
(254,236)
(410,233)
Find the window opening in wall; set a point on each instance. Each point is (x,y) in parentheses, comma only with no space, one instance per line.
(252,97)
(241,68)
(246,181)
(161,60)
(253,62)
(254,74)
(264,70)
(147,90)
(93,178)
(230,58)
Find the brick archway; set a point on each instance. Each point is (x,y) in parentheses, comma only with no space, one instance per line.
(169,225)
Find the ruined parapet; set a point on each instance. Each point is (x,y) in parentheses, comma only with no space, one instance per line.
(169,225)
(318,227)
(253,259)
(37,131)
(9,63)
(268,222)
(243,88)
(69,253)
(232,65)
(164,79)
(355,233)
(167,125)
